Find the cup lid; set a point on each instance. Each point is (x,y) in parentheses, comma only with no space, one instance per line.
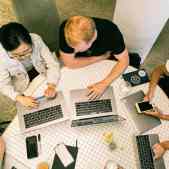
(111,165)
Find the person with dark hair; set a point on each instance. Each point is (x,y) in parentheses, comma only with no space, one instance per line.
(159,76)
(25,58)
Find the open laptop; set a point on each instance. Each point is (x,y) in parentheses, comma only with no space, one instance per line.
(50,111)
(142,122)
(146,154)
(87,112)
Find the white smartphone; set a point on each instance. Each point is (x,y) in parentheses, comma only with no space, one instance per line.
(64,155)
(144,106)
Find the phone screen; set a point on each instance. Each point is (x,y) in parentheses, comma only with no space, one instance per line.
(64,155)
(144,106)
(32,147)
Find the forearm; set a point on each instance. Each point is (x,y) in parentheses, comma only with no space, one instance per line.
(155,78)
(164,116)
(116,71)
(6,86)
(9,91)
(52,64)
(53,75)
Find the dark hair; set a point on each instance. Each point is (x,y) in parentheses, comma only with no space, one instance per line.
(12,34)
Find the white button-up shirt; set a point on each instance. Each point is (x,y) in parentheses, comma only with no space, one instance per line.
(14,79)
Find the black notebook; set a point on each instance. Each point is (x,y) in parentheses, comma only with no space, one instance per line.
(57,164)
(136,77)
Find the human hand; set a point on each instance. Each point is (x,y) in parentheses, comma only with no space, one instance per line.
(27,101)
(158,150)
(43,165)
(149,96)
(2,148)
(146,98)
(96,90)
(50,92)
(155,113)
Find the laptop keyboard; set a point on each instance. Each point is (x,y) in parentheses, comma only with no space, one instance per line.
(95,120)
(145,153)
(93,107)
(43,116)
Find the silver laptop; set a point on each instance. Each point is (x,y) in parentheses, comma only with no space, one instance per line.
(87,112)
(50,111)
(146,154)
(142,122)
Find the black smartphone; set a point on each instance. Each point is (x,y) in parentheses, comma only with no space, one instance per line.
(144,106)
(32,147)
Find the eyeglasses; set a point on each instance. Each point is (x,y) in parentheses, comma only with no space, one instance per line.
(22,55)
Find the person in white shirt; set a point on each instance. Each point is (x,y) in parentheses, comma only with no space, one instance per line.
(20,51)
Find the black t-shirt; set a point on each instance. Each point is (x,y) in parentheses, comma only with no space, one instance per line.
(109,38)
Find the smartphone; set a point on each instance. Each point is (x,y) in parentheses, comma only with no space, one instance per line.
(32,147)
(64,155)
(143,106)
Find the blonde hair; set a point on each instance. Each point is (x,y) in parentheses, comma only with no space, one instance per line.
(79,28)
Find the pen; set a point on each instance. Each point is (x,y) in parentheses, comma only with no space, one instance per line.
(76,143)
(39,141)
(40,97)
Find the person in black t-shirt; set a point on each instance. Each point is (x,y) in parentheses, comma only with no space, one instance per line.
(85,40)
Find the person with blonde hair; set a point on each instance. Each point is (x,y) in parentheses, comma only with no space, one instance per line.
(86,40)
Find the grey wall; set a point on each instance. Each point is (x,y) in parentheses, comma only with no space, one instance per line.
(45,16)
(159,53)
(40,16)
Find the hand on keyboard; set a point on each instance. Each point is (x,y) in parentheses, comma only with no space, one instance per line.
(50,92)
(96,90)
(27,101)
(158,150)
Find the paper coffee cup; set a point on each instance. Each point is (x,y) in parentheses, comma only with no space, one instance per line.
(111,165)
